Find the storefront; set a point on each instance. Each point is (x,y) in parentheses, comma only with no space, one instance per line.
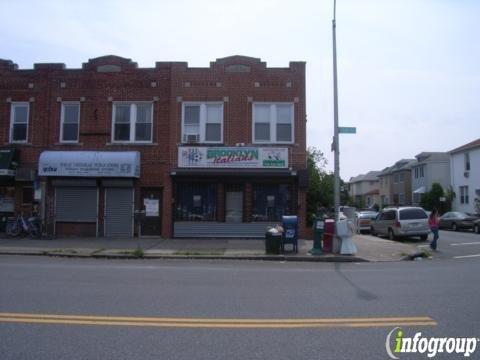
(8,166)
(90,193)
(232,192)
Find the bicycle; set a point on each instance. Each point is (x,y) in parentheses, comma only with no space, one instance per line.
(31,226)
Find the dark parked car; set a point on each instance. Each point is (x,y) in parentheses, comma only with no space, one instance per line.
(476,226)
(456,220)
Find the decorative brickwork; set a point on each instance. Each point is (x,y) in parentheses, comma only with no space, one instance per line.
(108,79)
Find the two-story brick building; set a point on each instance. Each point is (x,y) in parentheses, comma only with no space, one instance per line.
(217,151)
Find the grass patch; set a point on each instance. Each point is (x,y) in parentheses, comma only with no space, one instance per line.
(427,253)
(423,254)
(138,252)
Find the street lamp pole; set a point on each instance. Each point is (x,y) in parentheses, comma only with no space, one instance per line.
(336,144)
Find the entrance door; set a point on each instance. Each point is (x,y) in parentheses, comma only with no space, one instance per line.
(119,212)
(234,207)
(152,202)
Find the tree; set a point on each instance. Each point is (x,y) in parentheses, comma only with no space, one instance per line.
(315,168)
(320,191)
(432,199)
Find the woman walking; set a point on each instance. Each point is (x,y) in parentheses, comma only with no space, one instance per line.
(433,222)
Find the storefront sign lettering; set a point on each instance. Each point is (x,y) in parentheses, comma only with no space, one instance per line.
(89,163)
(245,157)
(232,156)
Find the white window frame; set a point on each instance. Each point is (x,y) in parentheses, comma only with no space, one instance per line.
(464,198)
(62,122)
(203,120)
(273,123)
(133,122)
(13,105)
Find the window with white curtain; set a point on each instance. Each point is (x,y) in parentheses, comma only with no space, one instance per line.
(19,122)
(132,122)
(70,122)
(202,122)
(273,123)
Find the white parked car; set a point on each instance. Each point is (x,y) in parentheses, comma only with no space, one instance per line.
(364,219)
(401,222)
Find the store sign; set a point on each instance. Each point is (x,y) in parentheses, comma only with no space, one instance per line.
(7,172)
(232,157)
(90,163)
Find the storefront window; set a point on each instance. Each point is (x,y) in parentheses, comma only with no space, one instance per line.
(271,202)
(195,202)
(7,199)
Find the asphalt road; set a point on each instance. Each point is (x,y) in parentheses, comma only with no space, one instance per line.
(190,296)
(458,244)
(451,244)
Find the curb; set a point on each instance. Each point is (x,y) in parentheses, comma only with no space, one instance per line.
(281,258)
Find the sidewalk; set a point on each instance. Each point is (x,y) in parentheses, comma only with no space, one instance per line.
(369,249)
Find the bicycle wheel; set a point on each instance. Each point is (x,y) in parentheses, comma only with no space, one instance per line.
(34,231)
(13,229)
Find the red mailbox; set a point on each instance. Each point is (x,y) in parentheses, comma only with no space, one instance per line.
(328,235)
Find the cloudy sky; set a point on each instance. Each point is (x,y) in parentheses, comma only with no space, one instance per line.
(409,70)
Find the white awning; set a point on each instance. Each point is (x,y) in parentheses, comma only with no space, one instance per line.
(90,163)
(420,190)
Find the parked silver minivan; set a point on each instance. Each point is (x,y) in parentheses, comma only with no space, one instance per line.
(401,222)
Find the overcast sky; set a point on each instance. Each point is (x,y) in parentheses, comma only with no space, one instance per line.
(408,70)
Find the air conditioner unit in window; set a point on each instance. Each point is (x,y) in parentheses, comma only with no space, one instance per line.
(191,138)
(466,174)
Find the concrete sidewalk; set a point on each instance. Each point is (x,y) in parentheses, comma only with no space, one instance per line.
(369,249)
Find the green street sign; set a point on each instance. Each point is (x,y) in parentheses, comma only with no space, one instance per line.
(347,130)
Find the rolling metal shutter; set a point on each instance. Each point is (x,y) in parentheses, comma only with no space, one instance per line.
(119,212)
(76,204)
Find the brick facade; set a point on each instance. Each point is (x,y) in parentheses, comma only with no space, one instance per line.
(235,81)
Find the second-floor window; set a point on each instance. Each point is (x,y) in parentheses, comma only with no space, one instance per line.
(70,122)
(273,123)
(202,122)
(19,122)
(132,122)
(467,161)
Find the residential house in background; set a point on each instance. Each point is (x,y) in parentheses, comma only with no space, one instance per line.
(396,184)
(402,182)
(365,190)
(465,177)
(431,167)
(385,187)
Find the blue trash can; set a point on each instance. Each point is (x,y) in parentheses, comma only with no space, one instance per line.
(290,232)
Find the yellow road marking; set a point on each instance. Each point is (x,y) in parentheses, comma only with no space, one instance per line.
(215,323)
